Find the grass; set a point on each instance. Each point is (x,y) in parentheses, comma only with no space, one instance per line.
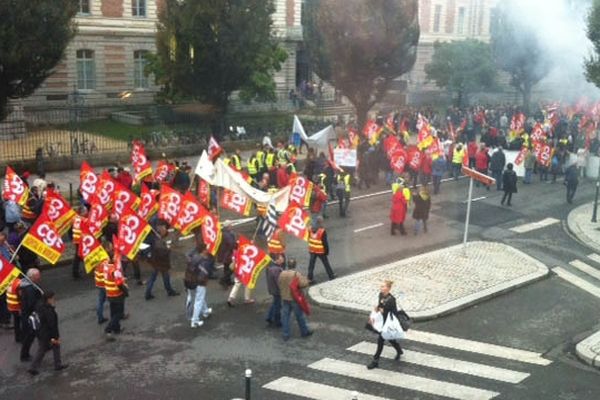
(117,130)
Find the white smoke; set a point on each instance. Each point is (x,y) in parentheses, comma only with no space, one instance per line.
(561,27)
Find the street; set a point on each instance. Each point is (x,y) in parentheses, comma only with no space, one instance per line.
(533,329)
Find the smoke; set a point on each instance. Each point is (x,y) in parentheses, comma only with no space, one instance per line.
(560,26)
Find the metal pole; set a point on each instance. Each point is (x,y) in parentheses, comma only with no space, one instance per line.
(595,213)
(248,378)
(71,193)
(468,215)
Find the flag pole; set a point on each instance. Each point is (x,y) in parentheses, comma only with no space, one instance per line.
(14,255)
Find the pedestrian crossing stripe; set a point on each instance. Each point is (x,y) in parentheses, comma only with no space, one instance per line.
(402,380)
(472,346)
(444,363)
(534,225)
(577,281)
(586,268)
(315,391)
(594,257)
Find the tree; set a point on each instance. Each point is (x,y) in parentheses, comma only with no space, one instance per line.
(592,63)
(517,49)
(33,37)
(462,67)
(361,46)
(206,49)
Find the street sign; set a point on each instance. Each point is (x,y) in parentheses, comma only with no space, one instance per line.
(478,176)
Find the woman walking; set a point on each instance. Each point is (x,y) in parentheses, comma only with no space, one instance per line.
(422,202)
(398,212)
(509,184)
(385,305)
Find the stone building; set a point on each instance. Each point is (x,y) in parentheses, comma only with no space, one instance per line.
(103,65)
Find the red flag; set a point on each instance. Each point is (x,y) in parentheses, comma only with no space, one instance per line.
(236,202)
(141,166)
(169,203)
(544,154)
(301,190)
(521,156)
(8,273)
(117,254)
(389,145)
(371,130)
(389,123)
(58,211)
(295,221)
(214,149)
(403,125)
(424,139)
(123,200)
(97,217)
(211,233)
(105,189)
(249,262)
(414,158)
(451,131)
(149,205)
(191,214)
(44,240)
(204,192)
(398,160)
(90,250)
(353,137)
(14,188)
(132,232)
(422,122)
(465,160)
(87,181)
(537,133)
(163,170)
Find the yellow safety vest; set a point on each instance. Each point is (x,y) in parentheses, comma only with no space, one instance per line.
(260,157)
(270,160)
(346,180)
(252,166)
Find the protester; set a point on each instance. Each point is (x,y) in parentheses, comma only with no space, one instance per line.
(571,181)
(225,254)
(30,295)
(160,260)
(342,190)
(117,290)
(398,212)
(195,280)
(289,305)
(318,247)
(528,164)
(438,169)
(47,334)
(509,184)
(273,271)
(422,202)
(497,162)
(385,305)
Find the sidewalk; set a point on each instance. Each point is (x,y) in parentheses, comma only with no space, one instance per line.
(436,283)
(580,224)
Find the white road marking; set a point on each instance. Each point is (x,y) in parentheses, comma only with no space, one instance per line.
(316,391)
(472,346)
(594,257)
(402,380)
(444,363)
(586,268)
(366,228)
(534,225)
(577,281)
(475,199)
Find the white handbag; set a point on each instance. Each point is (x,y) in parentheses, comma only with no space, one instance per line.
(376,320)
(392,330)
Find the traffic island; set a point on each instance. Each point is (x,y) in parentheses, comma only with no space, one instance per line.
(436,283)
(580,224)
(588,350)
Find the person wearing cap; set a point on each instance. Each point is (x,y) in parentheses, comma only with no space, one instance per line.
(47,334)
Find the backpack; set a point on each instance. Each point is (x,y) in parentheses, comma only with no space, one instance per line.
(34,321)
(195,275)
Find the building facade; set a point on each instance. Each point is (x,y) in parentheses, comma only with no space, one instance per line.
(103,66)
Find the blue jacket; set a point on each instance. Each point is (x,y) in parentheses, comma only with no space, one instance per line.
(438,167)
(12,212)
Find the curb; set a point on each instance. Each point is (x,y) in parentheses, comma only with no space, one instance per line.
(574,229)
(542,272)
(588,350)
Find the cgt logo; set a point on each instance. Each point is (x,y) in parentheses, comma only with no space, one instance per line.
(49,236)
(296,225)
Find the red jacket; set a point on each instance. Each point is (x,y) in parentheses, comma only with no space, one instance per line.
(282,177)
(125,179)
(398,211)
(472,148)
(482,160)
(319,197)
(426,164)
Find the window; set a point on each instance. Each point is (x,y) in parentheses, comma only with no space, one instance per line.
(140,80)
(138,8)
(84,6)
(86,70)
(437,17)
(460,22)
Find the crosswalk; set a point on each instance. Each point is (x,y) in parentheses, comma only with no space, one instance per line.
(471,370)
(582,274)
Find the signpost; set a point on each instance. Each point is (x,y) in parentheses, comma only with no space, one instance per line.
(478,176)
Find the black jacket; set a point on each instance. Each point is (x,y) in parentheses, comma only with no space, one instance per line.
(48,323)
(509,181)
(388,304)
(497,161)
(30,297)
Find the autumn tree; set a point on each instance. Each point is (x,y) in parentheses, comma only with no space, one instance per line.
(361,46)
(33,37)
(462,67)
(207,49)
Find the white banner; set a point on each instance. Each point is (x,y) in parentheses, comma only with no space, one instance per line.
(318,140)
(345,157)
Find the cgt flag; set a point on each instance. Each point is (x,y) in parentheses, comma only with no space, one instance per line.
(191,214)
(249,262)
(141,166)
(236,202)
(301,191)
(149,205)
(132,232)
(44,240)
(211,233)
(58,211)
(14,188)
(163,171)
(97,217)
(8,273)
(87,181)
(214,149)
(169,203)
(295,221)
(90,250)
(123,200)
(105,189)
